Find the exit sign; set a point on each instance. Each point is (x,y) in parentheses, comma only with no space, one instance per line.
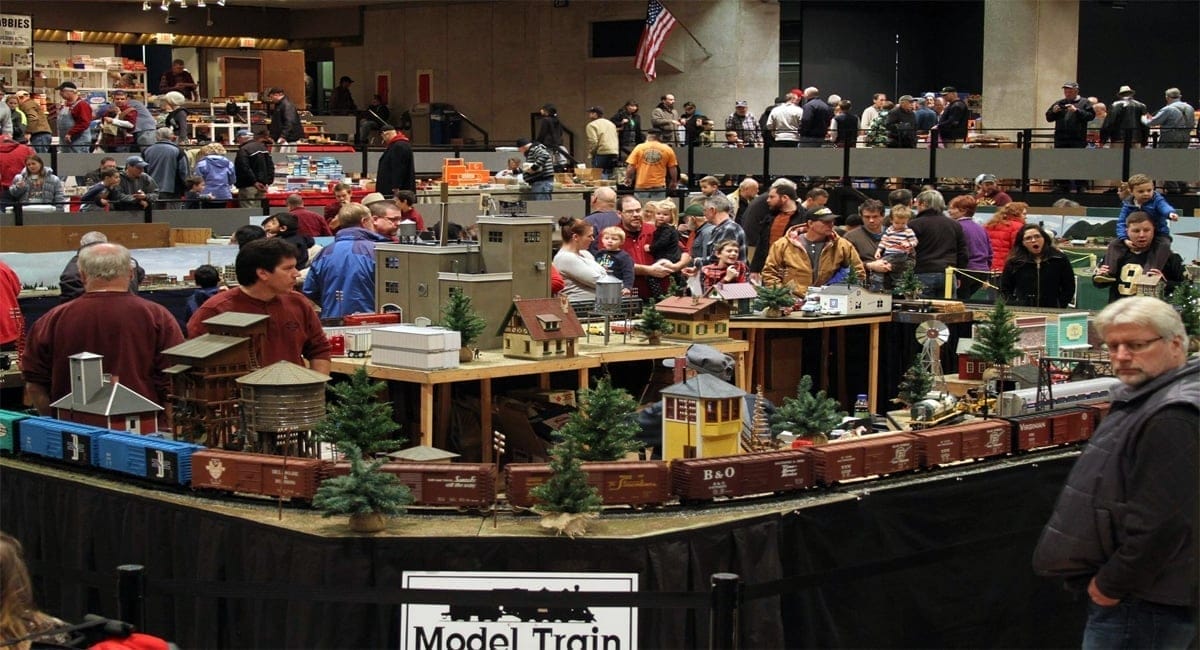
(74,36)
(165,38)
(247,42)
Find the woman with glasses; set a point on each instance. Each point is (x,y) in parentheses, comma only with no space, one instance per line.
(1036,274)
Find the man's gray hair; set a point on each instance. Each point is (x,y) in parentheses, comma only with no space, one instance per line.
(105,262)
(1173,93)
(748,182)
(605,194)
(295,200)
(92,237)
(932,199)
(380,208)
(784,182)
(718,202)
(1143,311)
(164,133)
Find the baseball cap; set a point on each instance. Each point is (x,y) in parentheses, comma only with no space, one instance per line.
(694,210)
(949,89)
(822,214)
(741,103)
(597,110)
(905,98)
(521,142)
(67,84)
(137,161)
(985,178)
(344,79)
(243,133)
(1071,84)
(373,197)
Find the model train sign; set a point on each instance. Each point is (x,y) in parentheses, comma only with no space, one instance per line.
(505,623)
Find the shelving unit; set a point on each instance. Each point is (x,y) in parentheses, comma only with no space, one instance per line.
(89,80)
(213,126)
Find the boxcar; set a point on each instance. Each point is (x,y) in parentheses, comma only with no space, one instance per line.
(70,442)
(1071,425)
(703,479)
(976,439)
(9,427)
(455,485)
(264,474)
(633,483)
(149,457)
(886,453)
(1031,431)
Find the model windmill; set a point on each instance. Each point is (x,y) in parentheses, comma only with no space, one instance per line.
(932,334)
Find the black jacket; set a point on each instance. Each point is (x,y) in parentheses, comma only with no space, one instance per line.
(1124,116)
(940,242)
(285,121)
(901,128)
(1070,129)
(1050,283)
(814,123)
(253,164)
(550,132)
(952,123)
(397,170)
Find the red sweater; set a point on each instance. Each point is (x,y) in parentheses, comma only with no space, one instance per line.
(293,332)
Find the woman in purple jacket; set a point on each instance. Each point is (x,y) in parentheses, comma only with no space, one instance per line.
(979,246)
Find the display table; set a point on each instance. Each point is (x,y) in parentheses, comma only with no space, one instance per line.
(493,365)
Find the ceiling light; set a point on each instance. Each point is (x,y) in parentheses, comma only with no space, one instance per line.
(183,4)
(145,5)
(220,3)
(200,3)
(166,5)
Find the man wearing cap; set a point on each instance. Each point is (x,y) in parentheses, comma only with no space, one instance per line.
(720,227)
(901,125)
(988,192)
(396,168)
(1124,121)
(603,145)
(37,125)
(342,277)
(951,125)
(168,165)
(285,119)
(1175,122)
(538,169)
(141,122)
(342,101)
(744,123)
(651,169)
(140,187)
(1070,116)
(74,120)
(253,167)
(810,255)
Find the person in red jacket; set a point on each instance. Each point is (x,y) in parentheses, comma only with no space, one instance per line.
(12,162)
(1002,231)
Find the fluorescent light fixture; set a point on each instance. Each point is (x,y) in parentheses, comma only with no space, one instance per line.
(145,5)
(200,3)
(220,3)
(166,5)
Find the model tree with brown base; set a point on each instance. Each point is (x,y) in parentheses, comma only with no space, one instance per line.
(566,501)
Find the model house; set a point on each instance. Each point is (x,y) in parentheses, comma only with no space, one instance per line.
(540,328)
(739,295)
(852,300)
(204,388)
(102,401)
(695,318)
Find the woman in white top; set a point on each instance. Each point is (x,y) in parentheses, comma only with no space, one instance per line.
(573,261)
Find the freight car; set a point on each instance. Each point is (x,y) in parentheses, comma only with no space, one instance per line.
(69,442)
(8,430)
(455,485)
(259,474)
(634,483)
(1072,393)
(148,457)
(704,479)
(878,454)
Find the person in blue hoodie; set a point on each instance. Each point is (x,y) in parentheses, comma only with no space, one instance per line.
(208,283)
(342,276)
(1144,198)
(217,172)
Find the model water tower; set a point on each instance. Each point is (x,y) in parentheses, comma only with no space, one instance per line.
(280,406)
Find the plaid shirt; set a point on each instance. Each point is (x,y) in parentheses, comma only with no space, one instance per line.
(746,127)
(714,274)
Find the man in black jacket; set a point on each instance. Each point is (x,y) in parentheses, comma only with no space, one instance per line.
(253,167)
(901,125)
(1125,527)
(951,126)
(1124,121)
(814,124)
(940,243)
(1070,116)
(397,171)
(285,120)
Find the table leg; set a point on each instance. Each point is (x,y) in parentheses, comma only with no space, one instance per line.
(873,373)
(544,381)
(825,361)
(485,417)
(427,414)
(441,427)
(583,380)
(740,371)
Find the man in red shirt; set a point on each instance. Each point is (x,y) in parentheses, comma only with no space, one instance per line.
(406,200)
(311,223)
(638,236)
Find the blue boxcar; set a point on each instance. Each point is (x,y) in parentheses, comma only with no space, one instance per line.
(62,440)
(8,430)
(149,457)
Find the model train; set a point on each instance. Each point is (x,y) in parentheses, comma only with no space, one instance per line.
(635,484)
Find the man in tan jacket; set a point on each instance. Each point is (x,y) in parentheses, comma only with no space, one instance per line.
(603,145)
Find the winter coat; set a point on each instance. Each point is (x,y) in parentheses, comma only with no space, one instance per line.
(789,262)
(1002,235)
(217,171)
(1158,209)
(35,116)
(12,160)
(1050,283)
(51,190)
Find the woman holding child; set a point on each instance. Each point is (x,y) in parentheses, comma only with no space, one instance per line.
(575,263)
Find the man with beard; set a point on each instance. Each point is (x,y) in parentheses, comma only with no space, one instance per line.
(665,118)
(638,236)
(988,192)
(783,213)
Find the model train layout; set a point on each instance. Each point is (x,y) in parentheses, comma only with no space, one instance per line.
(637,484)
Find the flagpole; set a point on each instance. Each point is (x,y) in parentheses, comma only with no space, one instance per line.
(689,33)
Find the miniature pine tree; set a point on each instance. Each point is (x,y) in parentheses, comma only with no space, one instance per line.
(460,316)
(915,384)
(357,418)
(1186,299)
(807,415)
(909,285)
(654,323)
(759,437)
(604,427)
(852,277)
(566,500)
(777,297)
(365,490)
(996,338)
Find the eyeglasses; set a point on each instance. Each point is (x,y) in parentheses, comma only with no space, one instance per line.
(634,211)
(1133,347)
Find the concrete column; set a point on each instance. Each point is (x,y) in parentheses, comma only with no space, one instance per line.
(1030,48)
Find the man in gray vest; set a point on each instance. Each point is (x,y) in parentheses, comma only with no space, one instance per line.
(1125,525)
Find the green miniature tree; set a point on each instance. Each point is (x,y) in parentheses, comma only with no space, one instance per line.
(915,384)
(996,341)
(771,300)
(366,494)
(853,279)
(460,316)
(604,426)
(807,415)
(356,417)
(1186,299)
(566,501)
(909,286)
(653,324)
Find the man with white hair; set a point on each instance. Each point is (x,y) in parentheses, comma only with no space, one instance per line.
(70,284)
(940,243)
(1124,529)
(128,331)
(814,123)
(167,164)
(741,198)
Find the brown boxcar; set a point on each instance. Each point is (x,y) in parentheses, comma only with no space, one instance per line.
(976,439)
(1031,431)
(633,483)
(249,473)
(1099,411)
(452,485)
(938,446)
(885,453)
(703,479)
(1072,425)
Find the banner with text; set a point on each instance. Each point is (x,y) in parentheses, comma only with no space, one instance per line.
(16,31)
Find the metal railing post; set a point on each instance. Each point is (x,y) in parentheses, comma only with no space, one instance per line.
(723,616)
(1025,139)
(131,594)
(1125,155)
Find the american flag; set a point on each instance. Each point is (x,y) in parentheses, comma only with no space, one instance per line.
(659,23)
